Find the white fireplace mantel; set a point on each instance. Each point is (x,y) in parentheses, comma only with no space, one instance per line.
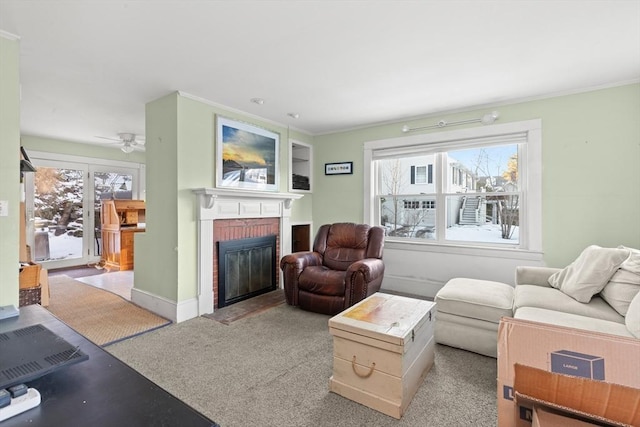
(217,203)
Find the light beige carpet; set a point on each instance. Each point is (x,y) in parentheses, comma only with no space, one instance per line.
(99,315)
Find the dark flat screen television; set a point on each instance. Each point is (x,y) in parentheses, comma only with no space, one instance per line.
(32,352)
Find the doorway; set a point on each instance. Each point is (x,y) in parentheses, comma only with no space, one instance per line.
(63,199)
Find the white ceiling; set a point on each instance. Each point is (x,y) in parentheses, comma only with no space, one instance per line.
(87,68)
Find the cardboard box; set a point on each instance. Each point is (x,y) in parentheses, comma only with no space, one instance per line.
(542,417)
(29,276)
(595,400)
(608,359)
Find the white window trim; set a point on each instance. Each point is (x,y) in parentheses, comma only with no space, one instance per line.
(531,170)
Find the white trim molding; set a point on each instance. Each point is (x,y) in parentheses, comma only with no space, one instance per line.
(422,267)
(214,204)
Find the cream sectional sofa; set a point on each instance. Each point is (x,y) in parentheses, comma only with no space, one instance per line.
(534,299)
(599,291)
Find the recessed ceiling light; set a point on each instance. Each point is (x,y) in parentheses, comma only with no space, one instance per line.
(258,101)
(293,115)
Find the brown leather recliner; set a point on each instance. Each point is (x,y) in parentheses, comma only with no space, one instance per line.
(344,268)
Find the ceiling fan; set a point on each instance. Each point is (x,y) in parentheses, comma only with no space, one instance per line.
(128,140)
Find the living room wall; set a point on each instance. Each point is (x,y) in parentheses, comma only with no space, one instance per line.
(180,149)
(9,167)
(591,164)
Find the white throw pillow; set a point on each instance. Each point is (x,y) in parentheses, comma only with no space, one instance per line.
(624,284)
(632,320)
(589,273)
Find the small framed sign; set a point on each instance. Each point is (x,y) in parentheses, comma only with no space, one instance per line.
(341,168)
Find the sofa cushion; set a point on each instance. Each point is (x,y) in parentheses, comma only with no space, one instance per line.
(624,284)
(476,299)
(571,321)
(589,273)
(553,299)
(633,316)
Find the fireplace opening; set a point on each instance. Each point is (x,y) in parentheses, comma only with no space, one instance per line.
(246,268)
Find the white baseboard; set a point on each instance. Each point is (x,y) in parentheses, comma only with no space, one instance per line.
(175,311)
(411,286)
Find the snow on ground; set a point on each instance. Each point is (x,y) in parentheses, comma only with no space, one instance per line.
(489,233)
(63,247)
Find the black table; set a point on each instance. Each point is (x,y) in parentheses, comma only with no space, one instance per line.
(101,391)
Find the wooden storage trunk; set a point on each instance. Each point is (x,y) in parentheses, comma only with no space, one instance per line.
(383,347)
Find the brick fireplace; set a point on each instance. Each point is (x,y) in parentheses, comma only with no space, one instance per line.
(224,215)
(225,230)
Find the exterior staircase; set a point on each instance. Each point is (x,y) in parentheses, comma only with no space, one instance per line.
(470,212)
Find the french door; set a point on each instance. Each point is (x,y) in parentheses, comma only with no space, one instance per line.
(63,208)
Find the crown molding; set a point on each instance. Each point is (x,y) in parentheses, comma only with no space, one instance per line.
(9,36)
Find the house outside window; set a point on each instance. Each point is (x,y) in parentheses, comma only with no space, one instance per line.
(476,197)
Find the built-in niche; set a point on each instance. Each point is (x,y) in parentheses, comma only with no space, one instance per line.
(300,156)
(300,237)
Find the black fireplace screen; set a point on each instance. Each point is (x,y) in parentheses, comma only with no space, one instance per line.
(246,268)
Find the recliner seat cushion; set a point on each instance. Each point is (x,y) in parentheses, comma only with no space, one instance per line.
(322,280)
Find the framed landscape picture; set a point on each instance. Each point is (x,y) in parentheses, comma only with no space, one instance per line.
(246,156)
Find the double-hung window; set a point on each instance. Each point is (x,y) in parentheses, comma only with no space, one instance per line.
(476,187)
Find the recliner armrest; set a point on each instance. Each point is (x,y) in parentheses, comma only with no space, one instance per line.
(370,268)
(300,260)
(530,275)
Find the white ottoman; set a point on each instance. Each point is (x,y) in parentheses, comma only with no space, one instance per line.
(469,313)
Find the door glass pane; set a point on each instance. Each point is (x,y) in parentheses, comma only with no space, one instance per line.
(108,185)
(58,214)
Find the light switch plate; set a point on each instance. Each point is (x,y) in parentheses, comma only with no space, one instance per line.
(4,208)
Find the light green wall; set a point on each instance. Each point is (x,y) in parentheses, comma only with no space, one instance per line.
(591,168)
(180,150)
(9,169)
(156,249)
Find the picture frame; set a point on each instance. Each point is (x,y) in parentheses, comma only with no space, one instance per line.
(247,156)
(341,168)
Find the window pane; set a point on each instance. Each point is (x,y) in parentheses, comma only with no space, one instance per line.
(421,174)
(483,169)
(396,176)
(58,214)
(483,218)
(409,216)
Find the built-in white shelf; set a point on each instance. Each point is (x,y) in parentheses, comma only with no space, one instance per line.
(300,166)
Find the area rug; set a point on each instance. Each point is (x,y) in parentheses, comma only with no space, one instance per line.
(101,316)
